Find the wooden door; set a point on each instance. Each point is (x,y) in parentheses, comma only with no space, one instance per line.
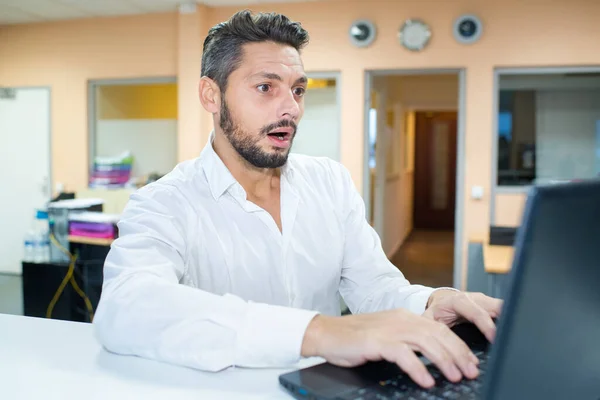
(435,170)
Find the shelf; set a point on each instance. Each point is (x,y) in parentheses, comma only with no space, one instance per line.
(92,241)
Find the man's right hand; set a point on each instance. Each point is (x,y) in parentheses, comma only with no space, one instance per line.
(392,336)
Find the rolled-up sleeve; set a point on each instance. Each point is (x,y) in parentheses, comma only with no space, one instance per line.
(146,311)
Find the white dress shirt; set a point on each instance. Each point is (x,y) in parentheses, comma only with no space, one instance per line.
(201,277)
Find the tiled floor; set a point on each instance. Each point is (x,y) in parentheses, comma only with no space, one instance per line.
(11,294)
(427,258)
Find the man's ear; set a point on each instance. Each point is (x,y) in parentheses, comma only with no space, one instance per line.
(210,95)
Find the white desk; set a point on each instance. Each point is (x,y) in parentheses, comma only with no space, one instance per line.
(51,359)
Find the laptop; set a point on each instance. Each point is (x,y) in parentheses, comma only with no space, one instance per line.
(547,343)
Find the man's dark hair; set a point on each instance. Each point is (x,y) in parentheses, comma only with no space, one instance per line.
(222,52)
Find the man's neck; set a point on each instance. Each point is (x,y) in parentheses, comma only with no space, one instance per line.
(257,182)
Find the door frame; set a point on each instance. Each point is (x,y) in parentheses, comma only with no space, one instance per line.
(459,213)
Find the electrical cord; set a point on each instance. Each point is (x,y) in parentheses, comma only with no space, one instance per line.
(68,278)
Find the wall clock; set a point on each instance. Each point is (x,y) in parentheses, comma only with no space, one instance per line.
(414,34)
(467,29)
(362,33)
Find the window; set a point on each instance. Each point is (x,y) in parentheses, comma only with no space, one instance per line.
(548,128)
(319,129)
(133,131)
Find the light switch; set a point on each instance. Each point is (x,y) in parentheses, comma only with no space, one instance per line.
(477,192)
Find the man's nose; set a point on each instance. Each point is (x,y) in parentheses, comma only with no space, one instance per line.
(289,107)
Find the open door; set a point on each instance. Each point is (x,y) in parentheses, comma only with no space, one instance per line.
(435,170)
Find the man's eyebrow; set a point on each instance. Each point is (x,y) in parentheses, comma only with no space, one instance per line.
(267,75)
(302,80)
(273,76)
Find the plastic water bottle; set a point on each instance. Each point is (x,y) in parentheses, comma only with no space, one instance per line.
(41,242)
(29,254)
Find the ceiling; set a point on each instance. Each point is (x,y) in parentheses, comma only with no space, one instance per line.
(28,11)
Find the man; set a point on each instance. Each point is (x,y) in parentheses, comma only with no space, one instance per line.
(238,257)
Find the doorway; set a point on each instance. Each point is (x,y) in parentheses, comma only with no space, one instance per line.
(414,171)
(25,163)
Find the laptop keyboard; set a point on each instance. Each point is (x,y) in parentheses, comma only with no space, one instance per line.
(404,388)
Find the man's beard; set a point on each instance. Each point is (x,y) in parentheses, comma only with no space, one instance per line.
(246,144)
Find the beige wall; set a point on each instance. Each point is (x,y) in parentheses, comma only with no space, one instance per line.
(508,209)
(65,55)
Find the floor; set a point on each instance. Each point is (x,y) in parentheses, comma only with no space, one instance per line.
(11,294)
(427,258)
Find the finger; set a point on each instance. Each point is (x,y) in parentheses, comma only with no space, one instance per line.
(432,348)
(408,361)
(474,313)
(491,305)
(461,353)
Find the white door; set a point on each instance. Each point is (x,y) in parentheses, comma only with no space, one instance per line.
(24,168)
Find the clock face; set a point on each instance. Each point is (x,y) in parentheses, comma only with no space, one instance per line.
(414,35)
(362,33)
(467,29)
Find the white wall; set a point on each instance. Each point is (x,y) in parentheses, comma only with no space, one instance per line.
(566,137)
(153,142)
(319,130)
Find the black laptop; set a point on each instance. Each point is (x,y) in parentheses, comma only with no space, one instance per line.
(548,340)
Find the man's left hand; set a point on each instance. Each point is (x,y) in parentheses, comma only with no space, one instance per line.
(451,307)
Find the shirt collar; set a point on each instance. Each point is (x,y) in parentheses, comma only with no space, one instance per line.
(218,175)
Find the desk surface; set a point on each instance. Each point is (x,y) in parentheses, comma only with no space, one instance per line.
(52,359)
(89,240)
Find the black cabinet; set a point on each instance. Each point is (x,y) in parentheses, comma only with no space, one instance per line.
(41,281)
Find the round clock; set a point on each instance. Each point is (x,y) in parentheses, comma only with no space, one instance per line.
(414,34)
(362,33)
(467,29)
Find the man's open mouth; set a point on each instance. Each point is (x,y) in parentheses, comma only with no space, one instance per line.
(280,135)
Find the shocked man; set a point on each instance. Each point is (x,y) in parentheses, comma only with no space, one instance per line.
(238,257)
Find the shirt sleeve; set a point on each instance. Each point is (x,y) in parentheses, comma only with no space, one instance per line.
(369,281)
(146,311)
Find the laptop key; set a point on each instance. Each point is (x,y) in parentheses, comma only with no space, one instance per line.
(451,395)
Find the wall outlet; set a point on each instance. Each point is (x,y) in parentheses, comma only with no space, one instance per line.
(477,192)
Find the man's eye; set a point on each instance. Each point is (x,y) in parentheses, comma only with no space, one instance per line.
(299,91)
(263,88)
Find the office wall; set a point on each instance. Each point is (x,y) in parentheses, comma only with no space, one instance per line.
(65,55)
(508,210)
